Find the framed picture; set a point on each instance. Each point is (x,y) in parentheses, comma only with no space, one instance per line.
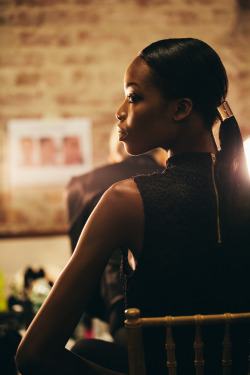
(45,153)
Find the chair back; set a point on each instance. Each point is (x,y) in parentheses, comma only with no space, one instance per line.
(134,324)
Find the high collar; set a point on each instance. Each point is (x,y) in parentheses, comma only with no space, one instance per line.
(187,158)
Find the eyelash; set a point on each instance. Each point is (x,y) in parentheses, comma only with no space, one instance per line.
(132,98)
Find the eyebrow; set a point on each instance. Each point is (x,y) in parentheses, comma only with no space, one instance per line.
(131,84)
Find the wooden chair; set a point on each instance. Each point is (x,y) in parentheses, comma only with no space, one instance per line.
(134,324)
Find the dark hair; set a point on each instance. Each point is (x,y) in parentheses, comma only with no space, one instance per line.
(190,68)
(233,176)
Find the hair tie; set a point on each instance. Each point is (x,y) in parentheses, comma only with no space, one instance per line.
(225,111)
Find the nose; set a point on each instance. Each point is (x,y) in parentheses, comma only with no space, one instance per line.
(121,114)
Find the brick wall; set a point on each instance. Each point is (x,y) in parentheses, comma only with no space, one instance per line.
(67,59)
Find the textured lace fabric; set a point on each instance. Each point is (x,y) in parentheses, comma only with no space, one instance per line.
(180,220)
(182,268)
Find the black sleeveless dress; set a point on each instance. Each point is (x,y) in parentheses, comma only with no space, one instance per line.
(185,267)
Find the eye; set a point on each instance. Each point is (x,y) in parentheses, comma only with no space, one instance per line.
(132,98)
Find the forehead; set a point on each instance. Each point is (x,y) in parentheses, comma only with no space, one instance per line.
(138,73)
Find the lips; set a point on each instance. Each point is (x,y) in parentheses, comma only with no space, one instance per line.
(122,134)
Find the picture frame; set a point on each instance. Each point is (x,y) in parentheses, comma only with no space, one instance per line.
(46,152)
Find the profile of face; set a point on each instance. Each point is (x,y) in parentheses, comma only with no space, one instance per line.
(168,81)
(144,116)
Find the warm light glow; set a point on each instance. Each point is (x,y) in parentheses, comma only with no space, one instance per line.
(247,152)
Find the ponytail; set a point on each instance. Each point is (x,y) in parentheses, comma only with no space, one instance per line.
(231,142)
(232,168)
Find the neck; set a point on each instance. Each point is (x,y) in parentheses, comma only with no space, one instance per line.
(194,138)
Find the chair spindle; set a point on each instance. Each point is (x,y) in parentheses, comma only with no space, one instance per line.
(170,347)
(227,345)
(198,348)
(248,373)
(135,342)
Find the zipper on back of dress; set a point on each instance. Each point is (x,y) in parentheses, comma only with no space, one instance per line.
(217,197)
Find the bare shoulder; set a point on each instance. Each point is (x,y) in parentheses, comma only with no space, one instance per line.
(123,200)
(127,199)
(121,212)
(124,191)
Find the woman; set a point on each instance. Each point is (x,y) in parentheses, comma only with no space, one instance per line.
(181,227)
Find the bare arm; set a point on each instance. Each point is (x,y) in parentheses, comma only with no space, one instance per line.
(118,220)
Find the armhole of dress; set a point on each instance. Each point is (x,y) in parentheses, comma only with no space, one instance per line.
(144,211)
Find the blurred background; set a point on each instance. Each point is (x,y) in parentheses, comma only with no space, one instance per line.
(61,77)
(65,60)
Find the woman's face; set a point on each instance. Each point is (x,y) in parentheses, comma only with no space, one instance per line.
(144,116)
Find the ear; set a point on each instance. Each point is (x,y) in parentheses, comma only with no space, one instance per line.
(182,109)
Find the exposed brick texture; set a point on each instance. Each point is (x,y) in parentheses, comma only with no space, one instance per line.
(27,78)
(11,59)
(66,58)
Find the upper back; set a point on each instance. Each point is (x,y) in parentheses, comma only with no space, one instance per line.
(182,256)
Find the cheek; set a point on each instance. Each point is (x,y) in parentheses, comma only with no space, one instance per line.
(139,120)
